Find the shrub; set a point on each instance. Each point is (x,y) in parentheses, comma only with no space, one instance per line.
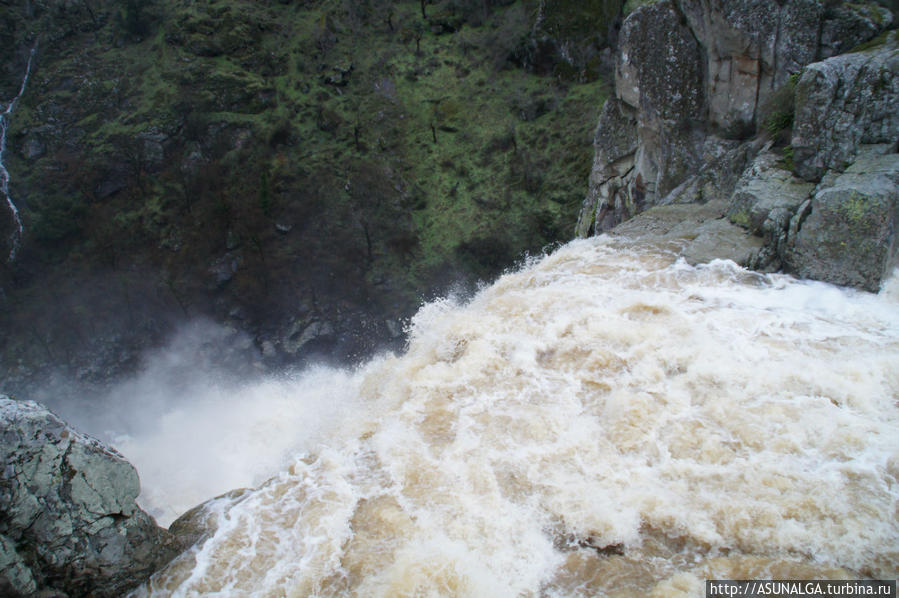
(135,19)
(777,112)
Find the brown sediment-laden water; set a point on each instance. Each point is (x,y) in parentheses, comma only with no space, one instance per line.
(607,420)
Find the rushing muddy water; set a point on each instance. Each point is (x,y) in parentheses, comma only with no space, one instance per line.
(605,421)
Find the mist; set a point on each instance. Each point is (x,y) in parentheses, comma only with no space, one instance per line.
(202,416)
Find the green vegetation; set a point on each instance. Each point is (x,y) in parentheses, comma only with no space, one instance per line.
(779,110)
(632,5)
(351,152)
(787,162)
(856,209)
(868,10)
(741,218)
(887,37)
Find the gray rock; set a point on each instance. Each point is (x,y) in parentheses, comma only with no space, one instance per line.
(33,148)
(660,74)
(112,184)
(644,142)
(849,236)
(224,268)
(15,575)
(394,328)
(764,202)
(851,24)
(750,47)
(152,148)
(693,75)
(615,141)
(232,240)
(844,102)
(68,517)
(659,69)
(698,233)
(615,145)
(303,332)
(200,522)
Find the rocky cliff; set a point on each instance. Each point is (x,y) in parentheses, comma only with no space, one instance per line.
(770,110)
(69,524)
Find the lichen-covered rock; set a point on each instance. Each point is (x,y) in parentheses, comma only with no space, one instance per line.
(694,74)
(615,141)
(764,188)
(68,518)
(846,26)
(644,142)
(849,237)
(764,202)
(659,68)
(844,102)
(659,73)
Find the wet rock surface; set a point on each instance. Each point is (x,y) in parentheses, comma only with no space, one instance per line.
(699,233)
(69,523)
(849,237)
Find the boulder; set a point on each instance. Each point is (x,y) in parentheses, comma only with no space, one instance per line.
(764,202)
(224,268)
(844,102)
(68,518)
(197,524)
(849,236)
(303,332)
(615,145)
(659,67)
(659,73)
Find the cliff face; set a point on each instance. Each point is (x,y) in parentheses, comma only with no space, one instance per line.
(690,115)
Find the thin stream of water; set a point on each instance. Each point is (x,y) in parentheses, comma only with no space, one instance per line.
(16,237)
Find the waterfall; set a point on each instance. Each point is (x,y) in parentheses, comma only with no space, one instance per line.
(16,237)
(607,421)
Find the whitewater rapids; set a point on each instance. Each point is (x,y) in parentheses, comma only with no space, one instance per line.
(608,420)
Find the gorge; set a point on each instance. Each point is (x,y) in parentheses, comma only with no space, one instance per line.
(256,254)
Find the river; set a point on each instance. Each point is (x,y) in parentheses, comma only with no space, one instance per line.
(607,420)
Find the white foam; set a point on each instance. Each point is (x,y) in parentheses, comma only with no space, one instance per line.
(604,395)
(228,437)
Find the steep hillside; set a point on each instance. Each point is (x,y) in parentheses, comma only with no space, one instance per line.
(304,171)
